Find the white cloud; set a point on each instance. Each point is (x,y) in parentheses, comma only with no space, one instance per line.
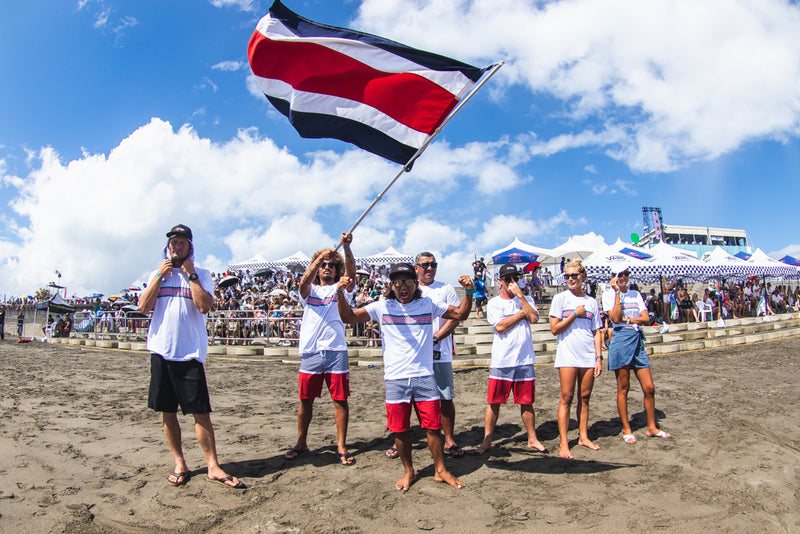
(502,229)
(789,250)
(101,219)
(243,5)
(681,81)
(230,66)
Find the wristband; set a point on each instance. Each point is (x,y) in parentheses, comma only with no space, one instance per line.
(340,291)
(346,248)
(470,291)
(598,358)
(160,276)
(575,314)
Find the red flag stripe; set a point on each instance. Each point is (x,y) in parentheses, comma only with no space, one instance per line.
(313,68)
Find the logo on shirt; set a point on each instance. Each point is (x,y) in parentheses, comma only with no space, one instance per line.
(424,319)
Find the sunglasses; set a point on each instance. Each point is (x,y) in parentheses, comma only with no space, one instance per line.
(332,264)
(428,265)
(509,279)
(405,281)
(572,276)
(626,273)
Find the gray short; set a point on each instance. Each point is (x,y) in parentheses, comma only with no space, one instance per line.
(444,380)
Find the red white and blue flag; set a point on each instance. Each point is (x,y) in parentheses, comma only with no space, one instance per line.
(380,95)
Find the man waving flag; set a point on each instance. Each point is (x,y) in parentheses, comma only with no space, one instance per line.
(378,94)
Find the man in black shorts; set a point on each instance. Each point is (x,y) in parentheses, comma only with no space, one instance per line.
(180,295)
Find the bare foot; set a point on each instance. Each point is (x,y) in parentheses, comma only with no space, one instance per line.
(405,482)
(565,453)
(586,442)
(536,445)
(485,446)
(449,479)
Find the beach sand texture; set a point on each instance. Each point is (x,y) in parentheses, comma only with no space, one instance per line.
(82,453)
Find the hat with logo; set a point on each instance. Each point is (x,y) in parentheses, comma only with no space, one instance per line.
(508,270)
(622,267)
(402,268)
(180,230)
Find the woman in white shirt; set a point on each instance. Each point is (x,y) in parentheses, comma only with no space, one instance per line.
(575,320)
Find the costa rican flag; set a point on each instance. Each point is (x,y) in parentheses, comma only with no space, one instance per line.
(382,96)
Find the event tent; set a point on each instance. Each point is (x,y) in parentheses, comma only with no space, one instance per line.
(726,265)
(673,263)
(769,267)
(519,252)
(254,263)
(387,257)
(579,246)
(600,264)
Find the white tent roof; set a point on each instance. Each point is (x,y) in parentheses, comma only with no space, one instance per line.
(387,257)
(663,248)
(726,264)
(545,255)
(769,266)
(580,246)
(601,263)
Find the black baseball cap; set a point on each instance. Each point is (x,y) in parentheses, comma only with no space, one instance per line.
(180,230)
(508,270)
(402,268)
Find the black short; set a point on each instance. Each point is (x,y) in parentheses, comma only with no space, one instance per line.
(174,384)
(480,301)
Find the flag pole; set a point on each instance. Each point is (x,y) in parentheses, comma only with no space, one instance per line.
(430,138)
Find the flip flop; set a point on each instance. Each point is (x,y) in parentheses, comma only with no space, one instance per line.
(660,434)
(346,459)
(392,452)
(630,439)
(294,453)
(180,478)
(455,451)
(223,480)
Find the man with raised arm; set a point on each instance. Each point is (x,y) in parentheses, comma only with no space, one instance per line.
(406,318)
(322,344)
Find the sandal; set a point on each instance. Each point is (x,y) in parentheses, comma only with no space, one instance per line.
(294,453)
(392,452)
(180,478)
(455,451)
(224,481)
(346,459)
(660,434)
(630,439)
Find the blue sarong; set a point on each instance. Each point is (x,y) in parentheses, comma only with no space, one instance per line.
(627,348)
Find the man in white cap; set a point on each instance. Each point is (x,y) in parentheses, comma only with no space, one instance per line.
(628,313)
(180,295)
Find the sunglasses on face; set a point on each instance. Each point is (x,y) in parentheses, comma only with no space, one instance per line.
(405,281)
(331,264)
(428,265)
(572,276)
(509,279)
(626,273)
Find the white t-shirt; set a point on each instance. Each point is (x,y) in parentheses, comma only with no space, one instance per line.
(441,292)
(178,329)
(406,335)
(321,327)
(632,304)
(514,347)
(576,344)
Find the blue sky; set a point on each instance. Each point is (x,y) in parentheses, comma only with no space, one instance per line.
(119,119)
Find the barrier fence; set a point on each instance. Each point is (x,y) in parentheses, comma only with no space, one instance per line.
(234,327)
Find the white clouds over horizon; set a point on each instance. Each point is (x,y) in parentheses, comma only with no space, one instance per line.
(101,219)
(671,82)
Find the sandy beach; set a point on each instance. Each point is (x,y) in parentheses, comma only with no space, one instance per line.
(82,453)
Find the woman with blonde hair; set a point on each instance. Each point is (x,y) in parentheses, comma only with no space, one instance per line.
(575,321)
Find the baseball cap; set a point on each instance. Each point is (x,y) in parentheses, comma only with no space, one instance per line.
(180,230)
(621,268)
(508,270)
(402,268)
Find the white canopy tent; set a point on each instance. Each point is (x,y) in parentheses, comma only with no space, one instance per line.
(770,267)
(579,246)
(387,257)
(726,265)
(606,260)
